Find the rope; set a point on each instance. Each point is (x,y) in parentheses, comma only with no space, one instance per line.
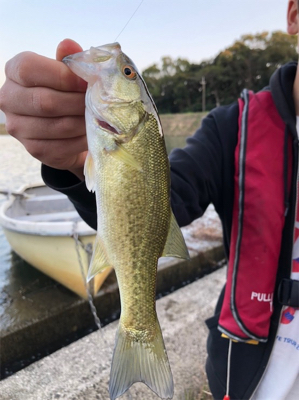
(227,397)
(88,250)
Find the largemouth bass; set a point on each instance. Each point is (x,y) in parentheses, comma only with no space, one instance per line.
(127,167)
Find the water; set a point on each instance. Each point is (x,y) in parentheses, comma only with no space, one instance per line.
(17,168)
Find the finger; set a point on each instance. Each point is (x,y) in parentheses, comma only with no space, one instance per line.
(60,153)
(41,102)
(67,47)
(33,128)
(31,70)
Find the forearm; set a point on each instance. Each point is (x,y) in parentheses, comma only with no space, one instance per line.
(70,185)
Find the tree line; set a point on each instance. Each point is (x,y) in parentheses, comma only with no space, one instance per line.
(179,86)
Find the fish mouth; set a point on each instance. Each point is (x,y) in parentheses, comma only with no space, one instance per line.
(104,125)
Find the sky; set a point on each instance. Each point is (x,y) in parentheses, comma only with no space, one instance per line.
(193,29)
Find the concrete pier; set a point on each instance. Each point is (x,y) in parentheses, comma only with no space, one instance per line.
(80,371)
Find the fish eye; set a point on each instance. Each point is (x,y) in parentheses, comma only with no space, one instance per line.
(129,72)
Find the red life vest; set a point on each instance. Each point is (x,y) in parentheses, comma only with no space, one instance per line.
(258,220)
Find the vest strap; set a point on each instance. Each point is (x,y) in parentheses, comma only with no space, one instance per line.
(288,293)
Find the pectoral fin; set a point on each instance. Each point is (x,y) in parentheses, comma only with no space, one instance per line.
(121,154)
(175,244)
(99,261)
(89,172)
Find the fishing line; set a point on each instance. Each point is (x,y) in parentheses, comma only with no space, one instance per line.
(128,21)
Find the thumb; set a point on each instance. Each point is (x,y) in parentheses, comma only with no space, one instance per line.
(67,47)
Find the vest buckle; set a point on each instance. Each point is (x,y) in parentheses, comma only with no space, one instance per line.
(288,293)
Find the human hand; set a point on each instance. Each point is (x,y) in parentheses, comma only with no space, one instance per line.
(44,103)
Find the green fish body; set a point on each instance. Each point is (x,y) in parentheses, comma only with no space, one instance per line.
(127,167)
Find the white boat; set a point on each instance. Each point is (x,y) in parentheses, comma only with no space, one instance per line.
(43,227)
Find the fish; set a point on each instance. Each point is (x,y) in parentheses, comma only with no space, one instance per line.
(128,169)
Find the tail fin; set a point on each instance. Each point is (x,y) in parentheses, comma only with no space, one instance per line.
(140,361)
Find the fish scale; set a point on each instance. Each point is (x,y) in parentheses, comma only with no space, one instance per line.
(141,219)
(127,167)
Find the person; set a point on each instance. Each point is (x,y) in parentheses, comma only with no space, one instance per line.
(244,160)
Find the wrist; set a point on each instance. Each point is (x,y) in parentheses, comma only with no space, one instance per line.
(78,172)
(60,179)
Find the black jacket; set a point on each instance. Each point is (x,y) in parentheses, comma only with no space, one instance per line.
(203,173)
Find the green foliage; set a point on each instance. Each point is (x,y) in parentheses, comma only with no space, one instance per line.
(249,62)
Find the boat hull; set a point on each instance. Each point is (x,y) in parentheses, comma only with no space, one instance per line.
(57,257)
(45,230)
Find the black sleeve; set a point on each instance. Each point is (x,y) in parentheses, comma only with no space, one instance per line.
(68,184)
(201,173)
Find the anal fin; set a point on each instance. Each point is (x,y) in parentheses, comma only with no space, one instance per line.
(175,243)
(99,261)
